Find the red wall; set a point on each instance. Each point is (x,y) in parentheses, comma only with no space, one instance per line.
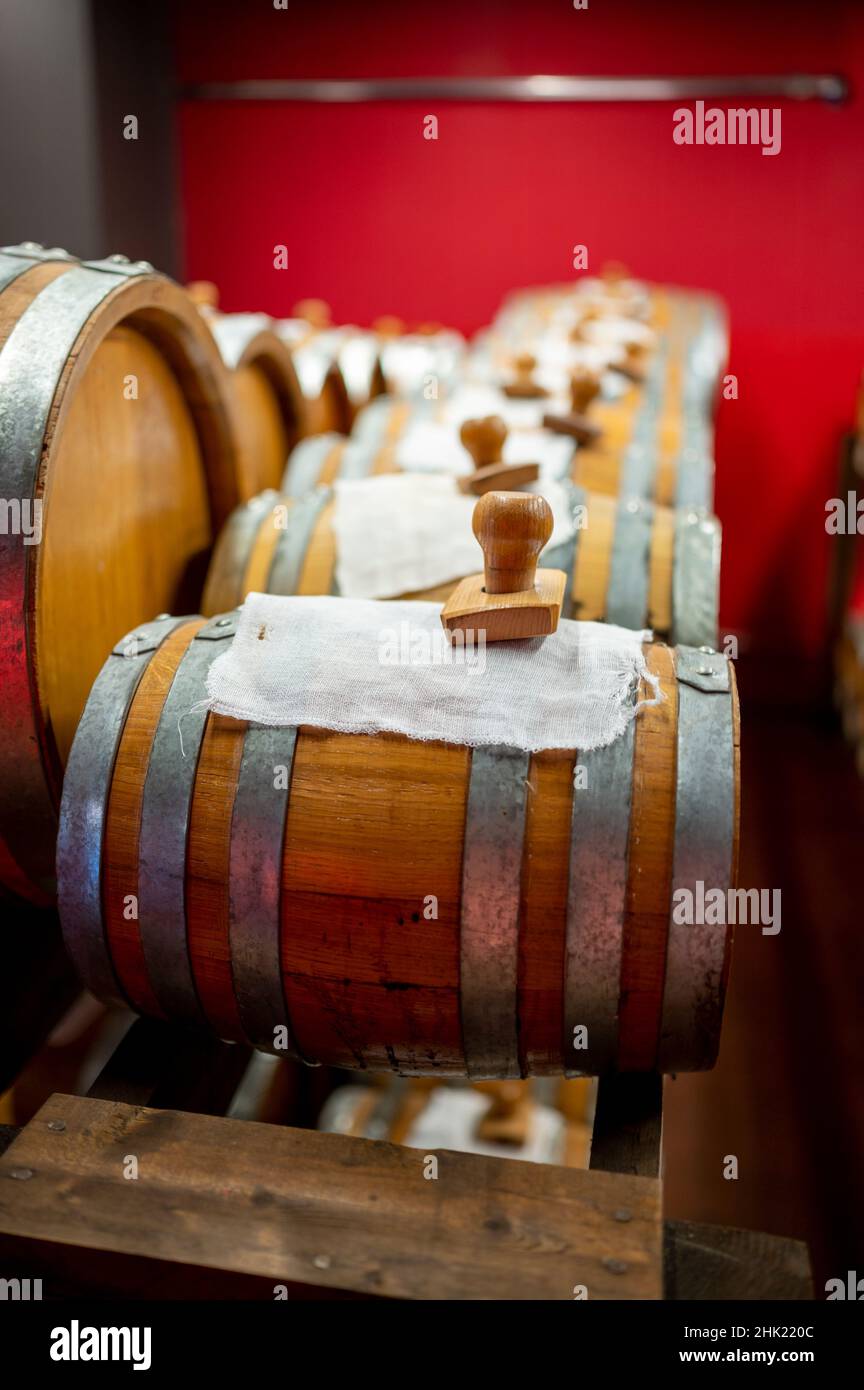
(378,220)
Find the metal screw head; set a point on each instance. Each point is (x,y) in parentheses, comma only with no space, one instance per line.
(622,1214)
(224,622)
(22,1174)
(692,518)
(56,1126)
(160,617)
(706,671)
(31,246)
(615,1266)
(322,1262)
(709,651)
(634,505)
(144,265)
(119,259)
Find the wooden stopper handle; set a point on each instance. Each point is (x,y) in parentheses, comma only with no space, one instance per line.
(512,528)
(614,273)
(203,293)
(484,439)
(314,311)
(388,326)
(584,388)
(524,365)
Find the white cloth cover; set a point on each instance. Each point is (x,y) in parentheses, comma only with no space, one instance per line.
(401,532)
(430,446)
(358,666)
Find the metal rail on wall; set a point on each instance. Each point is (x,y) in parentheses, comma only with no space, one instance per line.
(793,86)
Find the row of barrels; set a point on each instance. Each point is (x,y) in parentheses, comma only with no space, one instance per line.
(192,887)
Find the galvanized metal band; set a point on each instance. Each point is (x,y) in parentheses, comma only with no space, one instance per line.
(696,579)
(357,461)
(629,563)
(563,556)
(255,884)
(165,810)
(702,860)
(694,474)
(84,807)
(32,362)
(596,904)
(234,333)
(287,563)
(373,422)
(237,542)
(489,925)
(305,462)
(11,266)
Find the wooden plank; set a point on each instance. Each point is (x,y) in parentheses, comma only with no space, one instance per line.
(168,1065)
(718,1262)
(627,1124)
(299,1207)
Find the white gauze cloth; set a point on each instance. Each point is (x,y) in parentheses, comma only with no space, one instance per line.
(358,666)
(398,533)
(430,446)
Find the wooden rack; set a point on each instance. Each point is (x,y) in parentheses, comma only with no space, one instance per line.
(233,1208)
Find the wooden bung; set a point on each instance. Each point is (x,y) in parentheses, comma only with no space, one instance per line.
(523,386)
(314,311)
(512,599)
(484,440)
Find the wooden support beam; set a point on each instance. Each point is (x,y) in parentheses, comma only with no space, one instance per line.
(305,1209)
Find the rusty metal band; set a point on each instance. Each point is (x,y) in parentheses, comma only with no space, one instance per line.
(165,809)
(489,926)
(563,556)
(255,886)
(305,462)
(629,563)
(84,806)
(32,362)
(596,904)
(287,563)
(702,860)
(696,579)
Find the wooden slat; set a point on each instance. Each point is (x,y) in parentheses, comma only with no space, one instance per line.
(301,1207)
(627,1124)
(718,1262)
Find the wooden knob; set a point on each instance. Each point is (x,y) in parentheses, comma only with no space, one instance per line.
(614,273)
(484,439)
(203,293)
(314,311)
(524,366)
(584,388)
(512,528)
(388,326)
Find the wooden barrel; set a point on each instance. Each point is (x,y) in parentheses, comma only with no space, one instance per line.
(629,562)
(115,431)
(268,405)
(327,895)
(654,441)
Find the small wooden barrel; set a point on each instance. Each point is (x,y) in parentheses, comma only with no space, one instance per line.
(378,902)
(115,430)
(316,362)
(268,404)
(629,562)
